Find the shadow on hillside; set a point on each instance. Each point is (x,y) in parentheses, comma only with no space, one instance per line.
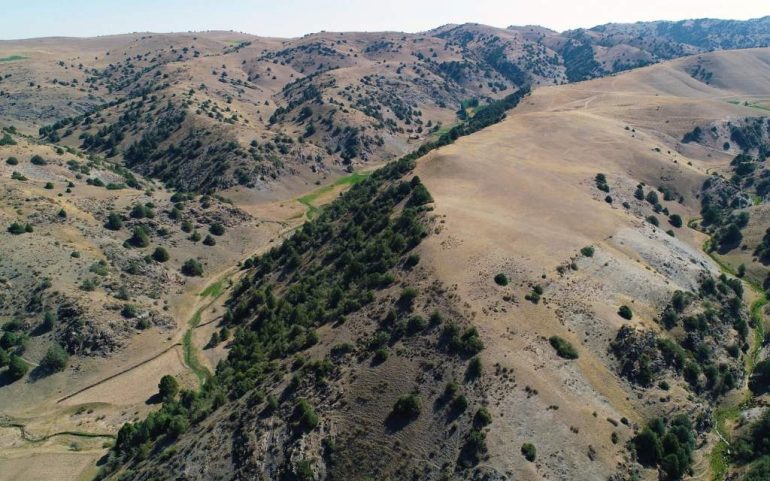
(6,379)
(395,423)
(38,373)
(154,399)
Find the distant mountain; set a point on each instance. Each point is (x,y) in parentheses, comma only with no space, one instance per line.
(613,47)
(207,111)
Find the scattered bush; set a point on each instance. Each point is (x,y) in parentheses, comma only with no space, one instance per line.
(406,407)
(168,387)
(625,312)
(17,368)
(160,255)
(675,220)
(475,368)
(140,237)
(304,417)
(501,279)
(563,347)
(529,452)
(407,297)
(759,383)
(17,228)
(114,222)
(482,418)
(587,251)
(55,359)
(129,311)
(192,268)
(217,229)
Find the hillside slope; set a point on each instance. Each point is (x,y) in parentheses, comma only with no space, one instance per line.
(532,298)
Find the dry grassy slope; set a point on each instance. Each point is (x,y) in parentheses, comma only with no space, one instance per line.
(160,293)
(519,198)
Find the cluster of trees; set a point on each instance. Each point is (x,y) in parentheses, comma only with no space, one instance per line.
(707,355)
(753,448)
(667,447)
(12,345)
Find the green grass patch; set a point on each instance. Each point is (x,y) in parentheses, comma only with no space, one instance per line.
(13,58)
(213,290)
(309,200)
(191,358)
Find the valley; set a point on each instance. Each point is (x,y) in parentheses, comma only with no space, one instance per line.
(349,277)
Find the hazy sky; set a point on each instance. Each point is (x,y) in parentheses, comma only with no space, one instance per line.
(288,18)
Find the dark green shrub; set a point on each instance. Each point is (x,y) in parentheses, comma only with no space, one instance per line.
(563,347)
(380,355)
(411,260)
(7,140)
(168,387)
(160,255)
(12,161)
(37,160)
(501,279)
(17,368)
(140,237)
(88,285)
(407,297)
(407,407)
(192,268)
(55,359)
(587,251)
(482,418)
(49,321)
(17,228)
(459,404)
(114,222)
(625,312)
(529,452)
(217,229)
(475,368)
(129,311)
(209,241)
(304,418)
(141,211)
(759,383)
(675,220)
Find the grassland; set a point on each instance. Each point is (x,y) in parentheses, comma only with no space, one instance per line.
(12,58)
(314,200)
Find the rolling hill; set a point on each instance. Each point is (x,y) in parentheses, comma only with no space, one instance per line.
(543,315)
(414,266)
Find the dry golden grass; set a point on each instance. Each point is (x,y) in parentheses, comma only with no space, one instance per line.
(519,197)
